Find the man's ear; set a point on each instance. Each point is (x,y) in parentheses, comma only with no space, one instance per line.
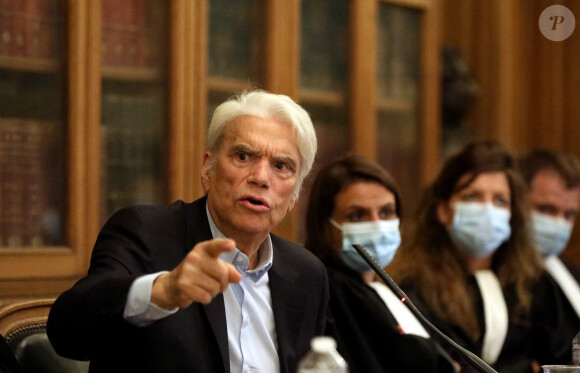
(206,171)
(444,213)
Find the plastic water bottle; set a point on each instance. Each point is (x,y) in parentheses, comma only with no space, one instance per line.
(322,358)
(576,349)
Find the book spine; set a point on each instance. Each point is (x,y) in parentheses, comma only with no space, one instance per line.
(6,26)
(12,183)
(41,28)
(29,183)
(17,27)
(39,145)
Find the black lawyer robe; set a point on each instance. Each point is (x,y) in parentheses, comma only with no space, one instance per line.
(367,333)
(530,337)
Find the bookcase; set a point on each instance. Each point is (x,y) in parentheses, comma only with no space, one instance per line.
(105,103)
(369,78)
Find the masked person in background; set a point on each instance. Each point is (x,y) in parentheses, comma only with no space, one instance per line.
(553,179)
(471,267)
(355,201)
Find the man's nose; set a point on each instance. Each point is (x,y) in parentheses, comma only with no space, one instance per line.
(261,173)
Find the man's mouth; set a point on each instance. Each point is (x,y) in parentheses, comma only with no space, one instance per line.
(255,203)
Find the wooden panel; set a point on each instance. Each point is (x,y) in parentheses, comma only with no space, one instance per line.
(363,66)
(507,59)
(282,65)
(92,121)
(39,263)
(198,96)
(282,44)
(179,105)
(16,290)
(188,97)
(430,88)
(571,112)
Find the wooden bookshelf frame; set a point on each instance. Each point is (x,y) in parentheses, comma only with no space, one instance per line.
(49,271)
(30,272)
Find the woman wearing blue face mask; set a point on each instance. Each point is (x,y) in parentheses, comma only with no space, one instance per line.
(471,267)
(355,201)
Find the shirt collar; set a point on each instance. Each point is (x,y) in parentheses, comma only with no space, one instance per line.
(240,260)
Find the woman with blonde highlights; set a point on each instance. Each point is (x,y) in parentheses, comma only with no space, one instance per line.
(470,266)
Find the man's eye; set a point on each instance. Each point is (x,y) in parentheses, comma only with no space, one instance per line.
(243,156)
(281,166)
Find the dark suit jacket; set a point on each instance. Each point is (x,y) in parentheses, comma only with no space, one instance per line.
(86,321)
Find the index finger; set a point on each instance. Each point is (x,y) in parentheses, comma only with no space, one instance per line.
(215,247)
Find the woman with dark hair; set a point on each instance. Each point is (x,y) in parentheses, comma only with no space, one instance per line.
(471,267)
(355,201)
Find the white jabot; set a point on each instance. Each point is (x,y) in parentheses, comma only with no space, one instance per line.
(567,283)
(407,321)
(495,314)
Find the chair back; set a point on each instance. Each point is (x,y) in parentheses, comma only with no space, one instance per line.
(23,325)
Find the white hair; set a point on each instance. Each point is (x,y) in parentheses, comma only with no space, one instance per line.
(259,103)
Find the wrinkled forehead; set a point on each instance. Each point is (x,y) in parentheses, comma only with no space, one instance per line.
(263,134)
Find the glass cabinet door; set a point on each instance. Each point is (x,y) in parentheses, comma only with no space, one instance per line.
(324,81)
(134,53)
(398,121)
(32,123)
(236,48)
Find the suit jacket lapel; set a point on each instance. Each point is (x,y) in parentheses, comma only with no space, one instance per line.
(198,230)
(287,304)
(216,314)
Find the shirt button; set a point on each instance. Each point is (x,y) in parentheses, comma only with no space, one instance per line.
(239,259)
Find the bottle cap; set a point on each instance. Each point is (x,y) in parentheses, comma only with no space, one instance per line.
(323,344)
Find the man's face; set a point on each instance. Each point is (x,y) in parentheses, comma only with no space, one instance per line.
(549,196)
(251,185)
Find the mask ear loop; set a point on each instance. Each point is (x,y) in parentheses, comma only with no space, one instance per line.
(335,224)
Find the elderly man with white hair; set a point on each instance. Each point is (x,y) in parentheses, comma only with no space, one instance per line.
(206,286)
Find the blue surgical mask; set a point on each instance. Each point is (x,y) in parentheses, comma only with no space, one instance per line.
(551,234)
(478,229)
(380,238)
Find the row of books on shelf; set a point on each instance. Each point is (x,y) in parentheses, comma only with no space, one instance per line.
(30,28)
(35,29)
(31,182)
(127,33)
(132,139)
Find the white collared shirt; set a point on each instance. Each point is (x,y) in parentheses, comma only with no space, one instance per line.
(252,338)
